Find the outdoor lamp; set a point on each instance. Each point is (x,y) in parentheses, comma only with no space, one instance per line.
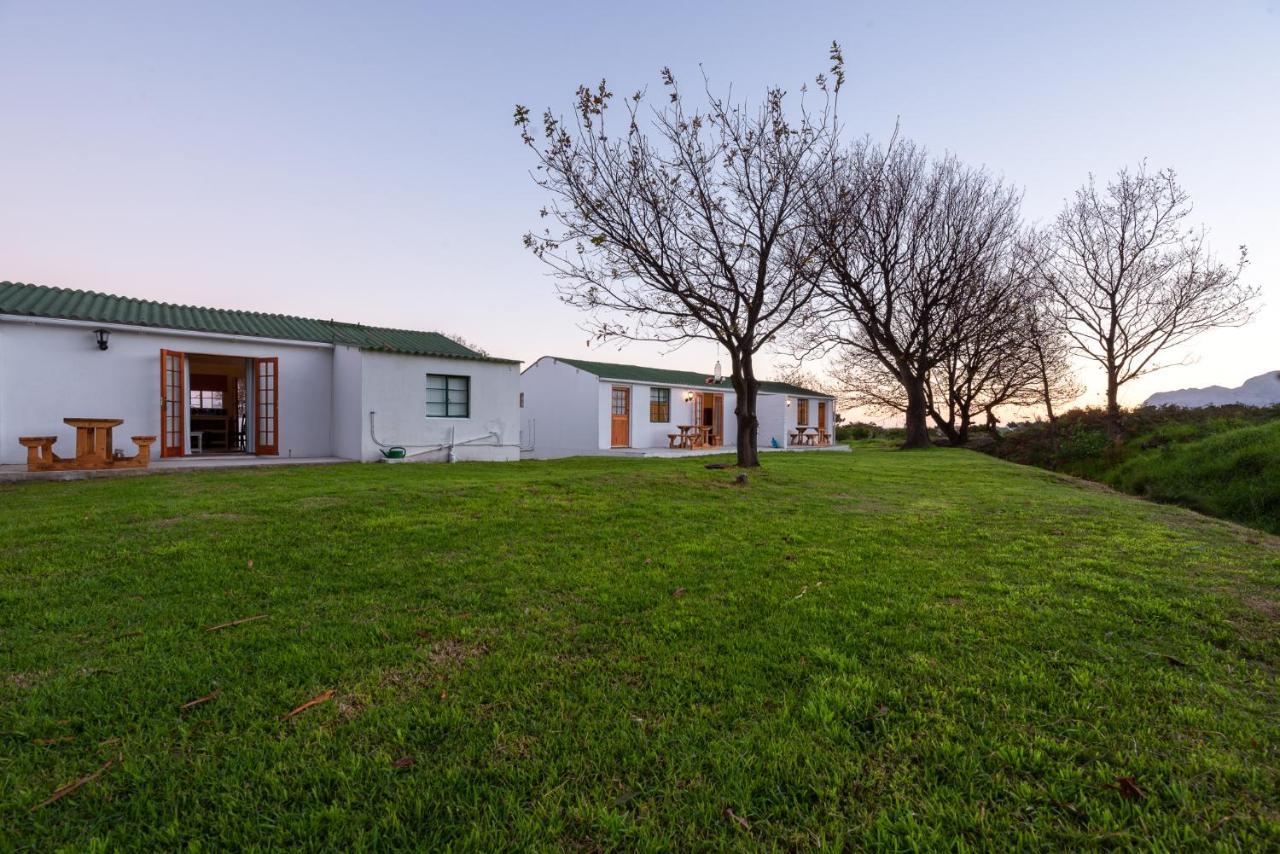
(102,336)
(688,396)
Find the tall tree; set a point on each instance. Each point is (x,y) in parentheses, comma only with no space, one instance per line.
(690,223)
(1050,349)
(1132,281)
(906,240)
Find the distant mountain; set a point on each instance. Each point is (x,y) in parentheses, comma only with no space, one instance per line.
(1262,390)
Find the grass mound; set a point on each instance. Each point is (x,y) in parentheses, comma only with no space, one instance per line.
(1233,475)
(1223,460)
(875,650)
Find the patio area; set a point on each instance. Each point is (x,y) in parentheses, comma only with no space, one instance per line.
(18,472)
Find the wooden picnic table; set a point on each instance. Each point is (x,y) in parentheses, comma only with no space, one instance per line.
(94,448)
(93,437)
(802,436)
(690,436)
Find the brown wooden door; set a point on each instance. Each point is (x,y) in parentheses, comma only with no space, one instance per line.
(717,419)
(266,404)
(822,415)
(173,404)
(620,407)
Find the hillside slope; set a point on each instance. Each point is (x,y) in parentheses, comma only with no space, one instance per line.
(1234,475)
(1224,461)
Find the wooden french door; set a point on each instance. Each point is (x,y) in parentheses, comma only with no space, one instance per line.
(717,419)
(173,404)
(822,415)
(266,405)
(620,418)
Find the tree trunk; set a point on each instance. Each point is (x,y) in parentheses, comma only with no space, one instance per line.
(746,387)
(917,414)
(992,424)
(948,428)
(1114,428)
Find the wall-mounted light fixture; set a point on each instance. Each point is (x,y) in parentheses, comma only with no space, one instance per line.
(102,335)
(688,396)
(788,401)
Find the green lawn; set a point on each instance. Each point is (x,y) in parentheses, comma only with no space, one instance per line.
(879,649)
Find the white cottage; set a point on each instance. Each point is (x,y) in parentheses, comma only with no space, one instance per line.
(212,381)
(572,406)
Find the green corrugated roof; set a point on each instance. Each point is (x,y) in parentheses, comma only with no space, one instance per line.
(663,376)
(39,301)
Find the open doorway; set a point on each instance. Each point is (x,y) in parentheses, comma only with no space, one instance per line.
(218,404)
(212,404)
(709,411)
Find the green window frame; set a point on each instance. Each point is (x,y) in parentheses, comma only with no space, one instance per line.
(448,396)
(659,405)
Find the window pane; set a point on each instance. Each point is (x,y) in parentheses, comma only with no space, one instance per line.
(448,396)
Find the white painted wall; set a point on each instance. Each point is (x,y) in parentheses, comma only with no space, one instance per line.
(54,370)
(772,411)
(562,412)
(394,385)
(350,420)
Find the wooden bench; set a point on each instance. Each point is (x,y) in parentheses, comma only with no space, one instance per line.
(39,451)
(93,448)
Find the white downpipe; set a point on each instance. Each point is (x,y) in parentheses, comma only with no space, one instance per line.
(440,446)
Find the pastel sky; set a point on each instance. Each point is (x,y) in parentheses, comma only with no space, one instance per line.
(358,161)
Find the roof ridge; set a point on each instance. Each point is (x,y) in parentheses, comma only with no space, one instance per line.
(774,386)
(58,301)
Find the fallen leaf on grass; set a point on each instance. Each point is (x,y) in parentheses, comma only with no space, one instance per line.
(679,591)
(322,697)
(63,791)
(235,622)
(1129,787)
(403,762)
(199,701)
(736,819)
(58,739)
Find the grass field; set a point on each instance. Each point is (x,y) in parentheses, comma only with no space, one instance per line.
(879,649)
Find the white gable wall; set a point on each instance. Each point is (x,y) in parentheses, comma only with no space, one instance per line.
(350,420)
(394,386)
(562,413)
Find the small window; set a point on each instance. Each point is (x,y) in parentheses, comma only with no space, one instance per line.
(659,405)
(206,399)
(802,411)
(448,396)
(522,400)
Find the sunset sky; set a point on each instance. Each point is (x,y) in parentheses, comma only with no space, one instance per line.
(358,161)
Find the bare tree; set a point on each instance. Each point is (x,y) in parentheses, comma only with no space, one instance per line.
(1132,281)
(690,223)
(1050,349)
(906,240)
